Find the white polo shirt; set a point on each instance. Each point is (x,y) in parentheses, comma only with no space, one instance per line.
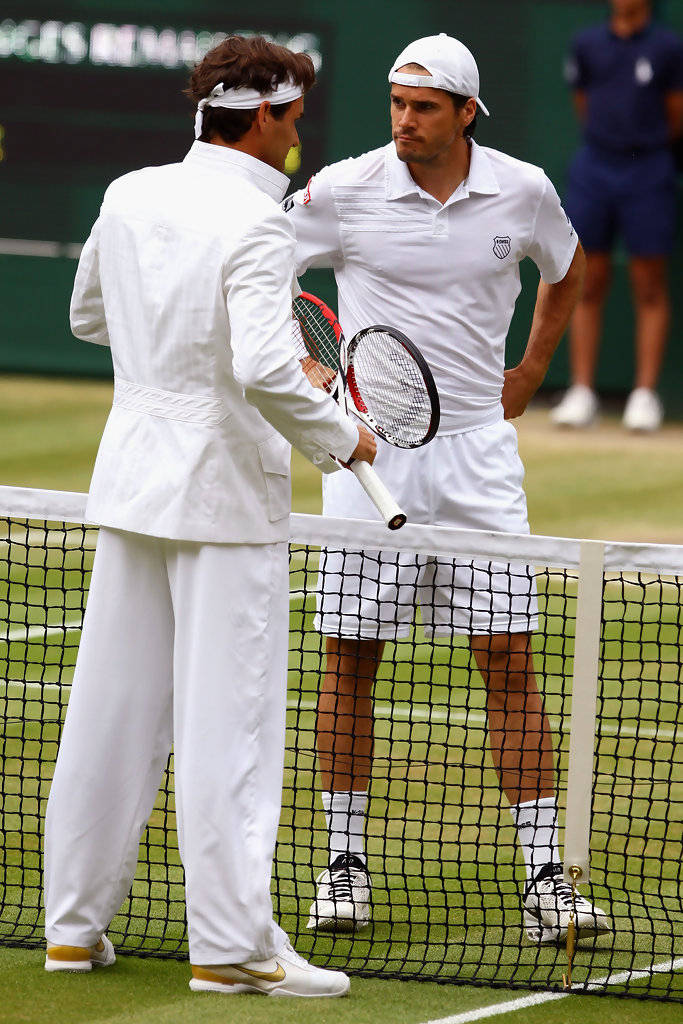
(447,275)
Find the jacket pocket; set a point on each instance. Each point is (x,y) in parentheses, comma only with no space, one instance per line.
(275,456)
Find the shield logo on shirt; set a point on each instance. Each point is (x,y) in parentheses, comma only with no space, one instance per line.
(501,246)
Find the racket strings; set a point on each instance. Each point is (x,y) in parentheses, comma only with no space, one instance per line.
(392,386)
(315,343)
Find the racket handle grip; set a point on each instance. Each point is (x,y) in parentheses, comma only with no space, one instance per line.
(378,494)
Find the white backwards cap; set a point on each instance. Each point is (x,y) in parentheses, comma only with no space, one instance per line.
(450,64)
(245,99)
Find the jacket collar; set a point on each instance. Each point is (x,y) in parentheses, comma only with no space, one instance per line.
(481,178)
(234,161)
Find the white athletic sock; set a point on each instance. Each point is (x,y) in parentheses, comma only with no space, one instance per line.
(536,822)
(345,817)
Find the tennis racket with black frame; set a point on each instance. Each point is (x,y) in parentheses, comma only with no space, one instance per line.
(380,376)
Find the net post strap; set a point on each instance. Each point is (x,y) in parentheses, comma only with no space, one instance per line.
(584,711)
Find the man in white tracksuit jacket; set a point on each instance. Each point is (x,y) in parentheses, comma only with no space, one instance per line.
(187,275)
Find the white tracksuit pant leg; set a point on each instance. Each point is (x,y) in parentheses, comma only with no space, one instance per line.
(116,739)
(220,632)
(230,667)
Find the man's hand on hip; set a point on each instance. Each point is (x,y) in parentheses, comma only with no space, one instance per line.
(518,389)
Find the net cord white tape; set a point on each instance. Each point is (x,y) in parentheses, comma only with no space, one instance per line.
(558,552)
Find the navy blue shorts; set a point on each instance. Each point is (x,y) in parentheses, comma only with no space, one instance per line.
(625,195)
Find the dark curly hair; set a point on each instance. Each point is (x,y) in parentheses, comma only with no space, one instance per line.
(251,62)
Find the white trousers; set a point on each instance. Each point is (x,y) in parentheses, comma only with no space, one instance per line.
(182,644)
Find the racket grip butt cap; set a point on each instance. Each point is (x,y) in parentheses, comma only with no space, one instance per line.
(390,511)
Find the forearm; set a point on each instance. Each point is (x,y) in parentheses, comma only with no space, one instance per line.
(580,106)
(308,418)
(258,291)
(674,113)
(554,306)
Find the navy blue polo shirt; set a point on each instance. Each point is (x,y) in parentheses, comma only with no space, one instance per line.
(625,81)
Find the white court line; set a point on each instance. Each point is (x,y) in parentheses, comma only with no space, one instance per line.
(524,1002)
(37,632)
(382,710)
(385,709)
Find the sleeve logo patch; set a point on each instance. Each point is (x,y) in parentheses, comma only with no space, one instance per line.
(501,246)
(288,204)
(307,193)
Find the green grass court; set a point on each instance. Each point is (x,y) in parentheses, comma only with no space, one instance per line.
(600,482)
(446,876)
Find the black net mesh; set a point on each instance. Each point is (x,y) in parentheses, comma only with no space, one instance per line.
(447,873)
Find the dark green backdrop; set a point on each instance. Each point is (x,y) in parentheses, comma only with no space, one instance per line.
(51,182)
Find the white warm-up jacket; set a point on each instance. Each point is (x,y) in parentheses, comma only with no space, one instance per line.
(187,275)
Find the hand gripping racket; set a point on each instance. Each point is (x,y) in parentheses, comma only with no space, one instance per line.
(381,372)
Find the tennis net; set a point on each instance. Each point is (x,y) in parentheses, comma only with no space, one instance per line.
(442,851)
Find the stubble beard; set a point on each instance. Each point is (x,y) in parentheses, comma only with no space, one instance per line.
(418,157)
(408,155)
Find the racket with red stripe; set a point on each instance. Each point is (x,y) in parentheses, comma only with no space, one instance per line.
(380,376)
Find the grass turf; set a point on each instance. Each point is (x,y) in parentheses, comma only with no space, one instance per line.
(601,482)
(137,991)
(51,430)
(442,849)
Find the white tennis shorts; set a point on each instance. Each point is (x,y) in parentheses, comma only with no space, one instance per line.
(472,481)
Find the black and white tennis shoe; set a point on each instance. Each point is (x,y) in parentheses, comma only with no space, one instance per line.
(548,904)
(342,902)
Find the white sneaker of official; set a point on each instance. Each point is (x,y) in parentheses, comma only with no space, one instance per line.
(80,958)
(286,974)
(342,900)
(643,411)
(548,906)
(578,408)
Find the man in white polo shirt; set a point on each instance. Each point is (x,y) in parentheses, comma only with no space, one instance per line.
(427,234)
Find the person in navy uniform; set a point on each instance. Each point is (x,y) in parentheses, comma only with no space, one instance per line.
(627,79)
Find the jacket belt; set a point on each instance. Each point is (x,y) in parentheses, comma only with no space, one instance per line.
(169,405)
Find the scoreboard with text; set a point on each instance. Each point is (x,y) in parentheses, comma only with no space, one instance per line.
(82,102)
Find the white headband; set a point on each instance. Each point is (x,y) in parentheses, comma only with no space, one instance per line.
(245,99)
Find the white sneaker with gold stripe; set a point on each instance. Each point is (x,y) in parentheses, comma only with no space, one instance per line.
(286,974)
(79,958)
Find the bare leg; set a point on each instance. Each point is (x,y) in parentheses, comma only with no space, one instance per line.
(586,324)
(653,316)
(519,731)
(345,725)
